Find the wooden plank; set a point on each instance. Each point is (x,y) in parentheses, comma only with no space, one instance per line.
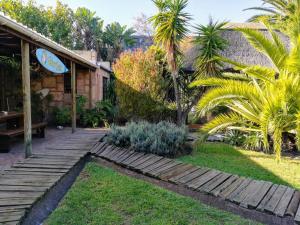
(232,187)
(42,166)
(124,152)
(238,189)
(175,172)
(22,188)
(32,183)
(247,191)
(11,216)
(284,202)
(155,166)
(125,156)
(110,153)
(179,176)
(297,217)
(216,191)
(132,158)
(41,170)
(141,160)
(163,169)
(267,197)
(253,200)
(293,206)
(116,156)
(218,180)
(150,162)
(272,203)
(17,201)
(203,179)
(22,195)
(102,149)
(192,176)
(106,151)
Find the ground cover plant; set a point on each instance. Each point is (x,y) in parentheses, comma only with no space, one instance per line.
(256,165)
(164,138)
(103,197)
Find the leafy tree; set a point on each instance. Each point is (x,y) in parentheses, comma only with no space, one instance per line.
(261,99)
(281,14)
(118,37)
(170,24)
(142,26)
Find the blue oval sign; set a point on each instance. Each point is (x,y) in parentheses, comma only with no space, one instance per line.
(50,61)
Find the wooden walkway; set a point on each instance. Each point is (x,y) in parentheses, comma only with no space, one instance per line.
(22,185)
(278,200)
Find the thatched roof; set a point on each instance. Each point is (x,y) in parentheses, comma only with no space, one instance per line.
(238,49)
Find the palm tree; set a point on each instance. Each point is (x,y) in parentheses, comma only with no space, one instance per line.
(170,24)
(281,14)
(118,37)
(261,99)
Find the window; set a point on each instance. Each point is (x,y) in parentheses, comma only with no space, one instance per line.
(67,83)
(105,87)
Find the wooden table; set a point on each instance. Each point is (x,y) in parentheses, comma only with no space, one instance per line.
(12,119)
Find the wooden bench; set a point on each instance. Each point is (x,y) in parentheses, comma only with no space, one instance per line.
(7,135)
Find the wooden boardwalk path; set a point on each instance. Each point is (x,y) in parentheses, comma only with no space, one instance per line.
(26,182)
(277,200)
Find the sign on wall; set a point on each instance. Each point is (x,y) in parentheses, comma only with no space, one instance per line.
(50,61)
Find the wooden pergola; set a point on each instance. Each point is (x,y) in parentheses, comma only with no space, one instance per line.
(17,39)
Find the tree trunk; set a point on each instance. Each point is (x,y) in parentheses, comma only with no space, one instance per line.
(178,99)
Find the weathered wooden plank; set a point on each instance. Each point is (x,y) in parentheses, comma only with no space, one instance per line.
(141,160)
(110,154)
(11,216)
(293,206)
(152,161)
(248,190)
(163,169)
(17,201)
(216,191)
(272,203)
(161,163)
(22,195)
(238,189)
(22,188)
(218,180)
(47,170)
(284,202)
(175,172)
(134,157)
(42,166)
(121,152)
(253,200)
(108,149)
(33,183)
(203,179)
(297,216)
(179,176)
(192,176)
(125,156)
(232,187)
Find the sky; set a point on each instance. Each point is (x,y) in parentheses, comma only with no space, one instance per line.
(124,11)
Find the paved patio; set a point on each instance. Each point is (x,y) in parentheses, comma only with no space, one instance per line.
(53,136)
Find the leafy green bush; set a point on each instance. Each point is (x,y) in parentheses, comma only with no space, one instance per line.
(164,138)
(62,116)
(80,103)
(92,118)
(234,137)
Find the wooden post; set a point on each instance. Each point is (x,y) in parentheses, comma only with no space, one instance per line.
(90,90)
(26,97)
(73,83)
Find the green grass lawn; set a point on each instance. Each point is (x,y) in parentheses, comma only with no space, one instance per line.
(246,163)
(102,196)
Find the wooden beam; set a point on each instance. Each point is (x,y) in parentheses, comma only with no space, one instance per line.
(90,90)
(26,97)
(73,84)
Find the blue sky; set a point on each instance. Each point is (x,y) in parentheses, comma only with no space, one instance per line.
(124,11)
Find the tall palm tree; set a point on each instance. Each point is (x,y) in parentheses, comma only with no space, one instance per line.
(261,99)
(170,24)
(281,14)
(118,37)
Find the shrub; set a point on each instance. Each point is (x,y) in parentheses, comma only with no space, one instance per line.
(142,87)
(80,104)
(164,138)
(62,116)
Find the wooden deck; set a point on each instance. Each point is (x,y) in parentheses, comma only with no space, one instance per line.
(22,185)
(266,197)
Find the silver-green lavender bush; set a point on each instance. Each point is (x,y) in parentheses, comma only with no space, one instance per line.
(164,138)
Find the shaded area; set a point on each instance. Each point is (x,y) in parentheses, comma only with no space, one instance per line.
(101,196)
(251,164)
